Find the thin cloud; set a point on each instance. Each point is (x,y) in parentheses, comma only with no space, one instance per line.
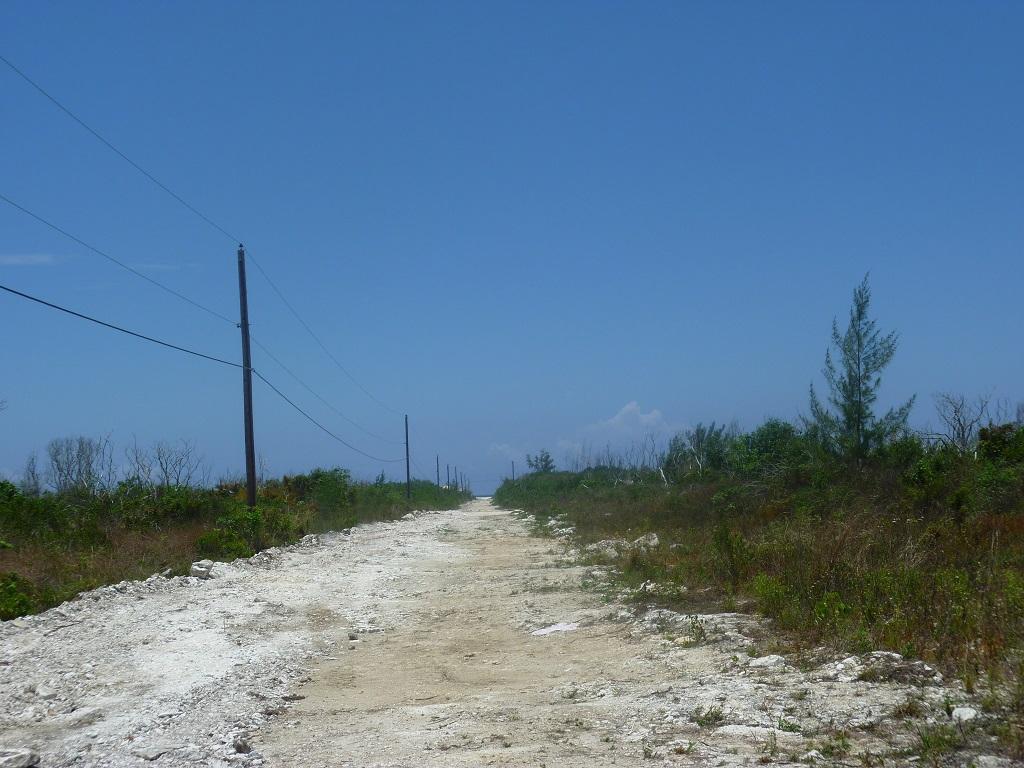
(26,260)
(631,420)
(503,449)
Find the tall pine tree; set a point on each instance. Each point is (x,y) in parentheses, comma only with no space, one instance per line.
(850,427)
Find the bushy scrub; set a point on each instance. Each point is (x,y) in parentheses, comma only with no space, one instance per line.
(915,547)
(243,531)
(15,596)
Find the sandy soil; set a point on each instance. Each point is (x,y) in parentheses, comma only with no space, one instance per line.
(453,639)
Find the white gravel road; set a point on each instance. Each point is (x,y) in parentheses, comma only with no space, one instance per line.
(475,644)
(181,669)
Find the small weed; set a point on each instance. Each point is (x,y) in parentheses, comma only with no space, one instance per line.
(698,628)
(836,745)
(770,747)
(870,675)
(869,759)
(908,709)
(787,726)
(937,740)
(1010,737)
(707,718)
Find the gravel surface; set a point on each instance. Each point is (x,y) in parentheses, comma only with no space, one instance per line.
(452,638)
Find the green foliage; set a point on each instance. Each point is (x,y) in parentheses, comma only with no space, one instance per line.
(772,450)
(15,596)
(242,531)
(934,741)
(700,450)
(733,555)
(852,429)
(542,462)
(1002,444)
(223,545)
(710,717)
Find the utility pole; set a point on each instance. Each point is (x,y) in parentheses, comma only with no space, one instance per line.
(448,476)
(513,470)
(250,442)
(437,458)
(408,477)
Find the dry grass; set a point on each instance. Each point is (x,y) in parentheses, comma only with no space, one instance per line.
(58,574)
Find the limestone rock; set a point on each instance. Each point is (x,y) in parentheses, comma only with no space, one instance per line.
(647,541)
(963,714)
(18,758)
(764,662)
(992,761)
(608,548)
(757,733)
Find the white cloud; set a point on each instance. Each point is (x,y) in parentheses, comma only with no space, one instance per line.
(26,259)
(631,421)
(504,449)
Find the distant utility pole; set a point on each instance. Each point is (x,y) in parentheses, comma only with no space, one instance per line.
(448,476)
(408,477)
(513,470)
(250,442)
(437,458)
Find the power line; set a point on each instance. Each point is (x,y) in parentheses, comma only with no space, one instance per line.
(118,328)
(117,151)
(418,468)
(284,397)
(167,344)
(316,338)
(185,298)
(198,213)
(315,394)
(118,262)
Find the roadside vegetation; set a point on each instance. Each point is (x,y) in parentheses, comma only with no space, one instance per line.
(81,522)
(847,528)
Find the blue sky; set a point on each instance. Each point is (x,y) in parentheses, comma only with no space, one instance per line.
(527,224)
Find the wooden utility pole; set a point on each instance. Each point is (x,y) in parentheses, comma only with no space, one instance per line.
(437,458)
(408,477)
(250,442)
(513,470)
(448,476)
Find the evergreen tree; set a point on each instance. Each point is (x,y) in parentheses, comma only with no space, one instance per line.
(850,426)
(542,462)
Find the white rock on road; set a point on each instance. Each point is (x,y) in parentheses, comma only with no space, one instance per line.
(18,758)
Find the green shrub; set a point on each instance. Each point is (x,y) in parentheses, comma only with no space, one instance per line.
(222,545)
(243,530)
(15,596)
(733,555)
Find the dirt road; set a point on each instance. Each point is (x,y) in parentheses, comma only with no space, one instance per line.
(452,639)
